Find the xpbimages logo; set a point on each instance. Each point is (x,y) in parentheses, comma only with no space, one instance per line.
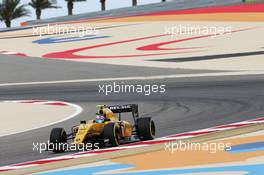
(48,146)
(211,147)
(80,31)
(146,89)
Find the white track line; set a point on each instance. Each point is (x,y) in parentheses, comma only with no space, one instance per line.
(9,53)
(78,110)
(137,78)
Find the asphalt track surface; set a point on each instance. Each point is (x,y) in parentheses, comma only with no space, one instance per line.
(26,69)
(188,104)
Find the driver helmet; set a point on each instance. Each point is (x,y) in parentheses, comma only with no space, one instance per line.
(99,119)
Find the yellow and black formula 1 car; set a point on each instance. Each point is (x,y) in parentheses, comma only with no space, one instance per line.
(108,129)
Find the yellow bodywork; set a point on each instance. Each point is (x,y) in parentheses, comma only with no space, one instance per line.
(89,130)
(93,129)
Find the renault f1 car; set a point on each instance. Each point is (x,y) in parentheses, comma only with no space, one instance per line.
(109,130)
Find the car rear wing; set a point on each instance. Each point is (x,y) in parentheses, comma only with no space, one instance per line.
(133,108)
(124,108)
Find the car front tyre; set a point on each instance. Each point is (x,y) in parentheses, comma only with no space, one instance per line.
(58,140)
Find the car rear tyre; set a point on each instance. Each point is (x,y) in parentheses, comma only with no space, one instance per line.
(112,132)
(58,140)
(146,128)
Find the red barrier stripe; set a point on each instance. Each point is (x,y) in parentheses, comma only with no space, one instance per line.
(233,125)
(242,8)
(55,104)
(259,119)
